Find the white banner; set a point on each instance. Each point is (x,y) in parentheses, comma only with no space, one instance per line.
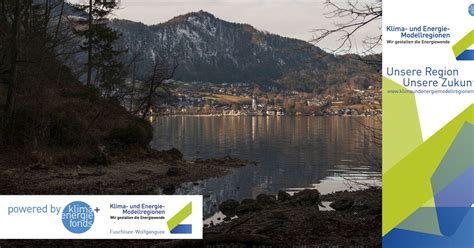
(101,217)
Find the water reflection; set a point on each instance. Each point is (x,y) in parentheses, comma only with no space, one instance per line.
(294,152)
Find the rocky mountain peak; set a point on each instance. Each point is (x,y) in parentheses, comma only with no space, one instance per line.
(192,17)
(203,13)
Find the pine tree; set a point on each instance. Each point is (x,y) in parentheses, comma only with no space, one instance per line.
(102,57)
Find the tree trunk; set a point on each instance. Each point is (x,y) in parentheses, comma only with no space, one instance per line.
(132,93)
(10,103)
(58,26)
(47,13)
(149,102)
(151,92)
(89,46)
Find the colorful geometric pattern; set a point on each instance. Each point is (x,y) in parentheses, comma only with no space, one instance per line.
(429,191)
(174,224)
(461,50)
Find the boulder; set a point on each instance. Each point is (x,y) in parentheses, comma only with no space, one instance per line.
(245,208)
(228,207)
(342,204)
(248,201)
(266,200)
(283,196)
(172,154)
(306,197)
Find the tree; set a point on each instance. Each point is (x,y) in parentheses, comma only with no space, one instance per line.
(136,57)
(99,39)
(28,42)
(110,72)
(18,11)
(152,88)
(352,16)
(24,40)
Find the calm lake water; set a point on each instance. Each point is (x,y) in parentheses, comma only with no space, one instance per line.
(327,153)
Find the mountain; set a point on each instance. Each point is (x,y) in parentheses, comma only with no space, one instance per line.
(213,50)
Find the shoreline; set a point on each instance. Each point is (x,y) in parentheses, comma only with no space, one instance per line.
(278,116)
(141,176)
(300,220)
(304,218)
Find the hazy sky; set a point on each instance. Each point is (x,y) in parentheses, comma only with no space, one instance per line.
(290,18)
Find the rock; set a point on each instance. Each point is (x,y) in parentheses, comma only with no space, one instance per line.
(227,218)
(248,201)
(228,207)
(245,208)
(173,172)
(172,154)
(265,200)
(283,196)
(247,205)
(342,204)
(306,197)
(169,189)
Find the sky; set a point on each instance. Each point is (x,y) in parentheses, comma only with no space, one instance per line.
(289,18)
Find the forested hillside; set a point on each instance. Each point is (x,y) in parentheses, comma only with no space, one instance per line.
(209,49)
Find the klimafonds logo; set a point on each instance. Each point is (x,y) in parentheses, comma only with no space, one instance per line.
(174,224)
(78,217)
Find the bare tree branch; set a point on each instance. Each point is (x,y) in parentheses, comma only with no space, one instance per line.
(352,16)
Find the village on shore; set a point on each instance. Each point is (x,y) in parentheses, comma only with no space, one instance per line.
(245,99)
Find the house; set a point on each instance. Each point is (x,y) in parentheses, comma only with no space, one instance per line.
(271,112)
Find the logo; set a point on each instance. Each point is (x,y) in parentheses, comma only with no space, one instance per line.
(471,9)
(78,217)
(460,49)
(174,224)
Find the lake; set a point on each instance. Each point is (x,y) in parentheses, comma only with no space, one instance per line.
(293,153)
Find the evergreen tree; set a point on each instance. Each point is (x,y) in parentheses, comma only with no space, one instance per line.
(102,57)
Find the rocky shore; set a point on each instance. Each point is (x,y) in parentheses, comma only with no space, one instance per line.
(159,169)
(306,218)
(352,219)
